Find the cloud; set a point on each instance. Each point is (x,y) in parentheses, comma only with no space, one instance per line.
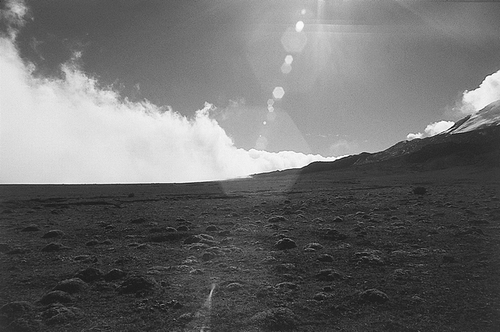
(432,129)
(472,101)
(438,127)
(487,92)
(412,136)
(72,130)
(13,14)
(343,147)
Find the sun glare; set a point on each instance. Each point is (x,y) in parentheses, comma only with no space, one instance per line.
(278,92)
(299,26)
(286,68)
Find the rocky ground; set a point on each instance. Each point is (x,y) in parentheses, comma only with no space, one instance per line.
(361,250)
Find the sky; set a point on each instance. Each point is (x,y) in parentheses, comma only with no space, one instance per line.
(99,91)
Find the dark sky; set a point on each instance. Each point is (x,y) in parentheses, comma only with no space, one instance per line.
(364,73)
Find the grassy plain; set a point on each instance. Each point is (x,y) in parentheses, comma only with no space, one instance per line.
(365,253)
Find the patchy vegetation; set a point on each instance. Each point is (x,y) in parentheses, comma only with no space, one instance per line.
(343,250)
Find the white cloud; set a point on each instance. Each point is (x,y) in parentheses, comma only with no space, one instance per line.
(13,14)
(472,101)
(71,130)
(411,136)
(487,92)
(438,127)
(432,129)
(343,147)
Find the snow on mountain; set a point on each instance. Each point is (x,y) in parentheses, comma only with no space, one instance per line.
(474,139)
(486,117)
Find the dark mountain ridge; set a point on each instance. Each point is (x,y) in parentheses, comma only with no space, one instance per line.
(473,140)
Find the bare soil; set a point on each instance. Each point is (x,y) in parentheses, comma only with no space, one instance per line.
(350,250)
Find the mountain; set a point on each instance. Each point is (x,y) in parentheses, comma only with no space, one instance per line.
(487,117)
(473,140)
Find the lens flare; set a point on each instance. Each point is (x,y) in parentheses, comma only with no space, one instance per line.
(261,143)
(278,92)
(271,116)
(286,68)
(201,321)
(299,26)
(293,41)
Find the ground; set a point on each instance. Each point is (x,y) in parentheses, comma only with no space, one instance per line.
(349,250)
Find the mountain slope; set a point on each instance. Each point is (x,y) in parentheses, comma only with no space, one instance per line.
(486,117)
(474,139)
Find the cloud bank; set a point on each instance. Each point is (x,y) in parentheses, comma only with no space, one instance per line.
(432,129)
(472,101)
(72,130)
(12,14)
(487,92)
